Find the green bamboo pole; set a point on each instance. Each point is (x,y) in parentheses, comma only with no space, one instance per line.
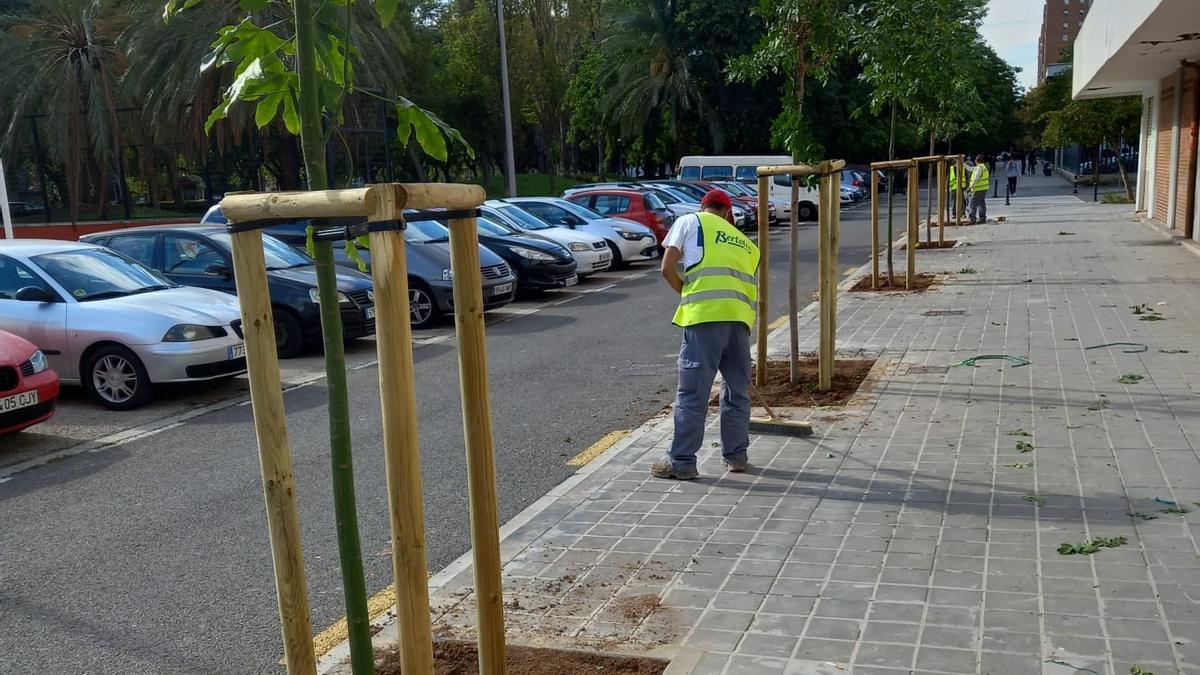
(312,143)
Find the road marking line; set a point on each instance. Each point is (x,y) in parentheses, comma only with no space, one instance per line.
(777,323)
(596,449)
(333,636)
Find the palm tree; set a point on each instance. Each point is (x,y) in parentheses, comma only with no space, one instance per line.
(647,66)
(65,57)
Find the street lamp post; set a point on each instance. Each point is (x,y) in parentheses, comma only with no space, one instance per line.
(510,166)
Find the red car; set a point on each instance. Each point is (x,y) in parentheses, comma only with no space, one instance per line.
(28,385)
(640,206)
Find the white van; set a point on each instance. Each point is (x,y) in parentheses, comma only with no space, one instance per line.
(744,168)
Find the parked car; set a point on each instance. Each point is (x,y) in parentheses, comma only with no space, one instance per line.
(539,264)
(200,255)
(750,193)
(627,241)
(590,252)
(430,282)
(858,192)
(678,206)
(28,385)
(745,215)
(113,325)
(692,194)
(638,205)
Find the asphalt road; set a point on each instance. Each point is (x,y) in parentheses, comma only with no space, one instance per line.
(151,555)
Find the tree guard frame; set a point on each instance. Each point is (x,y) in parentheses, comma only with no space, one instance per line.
(378,212)
(828,224)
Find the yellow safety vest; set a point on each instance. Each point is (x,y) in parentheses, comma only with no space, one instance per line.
(722,286)
(953,177)
(981,183)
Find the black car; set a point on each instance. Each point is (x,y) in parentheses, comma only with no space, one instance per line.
(539,264)
(200,256)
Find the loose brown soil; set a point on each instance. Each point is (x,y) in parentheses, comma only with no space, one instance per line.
(848,374)
(949,243)
(923,282)
(462,658)
(637,607)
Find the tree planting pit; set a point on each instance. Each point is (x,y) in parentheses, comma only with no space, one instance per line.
(923,282)
(462,658)
(925,245)
(848,375)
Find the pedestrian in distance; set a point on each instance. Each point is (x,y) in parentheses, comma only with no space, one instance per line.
(1012,169)
(977,185)
(718,292)
(953,189)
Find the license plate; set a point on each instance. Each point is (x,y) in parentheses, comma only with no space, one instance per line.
(16,401)
(237,352)
(571,280)
(501,289)
(369,312)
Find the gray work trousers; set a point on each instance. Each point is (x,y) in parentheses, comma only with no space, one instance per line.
(707,349)
(978,210)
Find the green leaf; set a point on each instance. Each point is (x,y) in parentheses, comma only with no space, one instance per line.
(352,253)
(174,7)
(386,10)
(412,119)
(310,244)
(217,114)
(291,115)
(267,108)
(1023,447)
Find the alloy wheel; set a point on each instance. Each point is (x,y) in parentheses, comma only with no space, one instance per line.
(115,379)
(420,306)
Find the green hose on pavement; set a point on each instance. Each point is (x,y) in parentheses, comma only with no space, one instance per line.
(1017,361)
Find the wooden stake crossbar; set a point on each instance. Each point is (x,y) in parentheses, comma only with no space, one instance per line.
(829,206)
(377,203)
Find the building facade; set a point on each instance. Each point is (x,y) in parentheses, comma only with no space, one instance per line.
(1151,49)
(1061,21)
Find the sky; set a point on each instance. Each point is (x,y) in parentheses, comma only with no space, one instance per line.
(1011,28)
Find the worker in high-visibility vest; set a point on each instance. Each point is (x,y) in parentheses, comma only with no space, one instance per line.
(953,189)
(977,185)
(718,292)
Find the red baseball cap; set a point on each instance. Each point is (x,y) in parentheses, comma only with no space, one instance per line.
(717,197)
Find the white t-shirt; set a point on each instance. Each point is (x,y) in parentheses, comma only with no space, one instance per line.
(685,236)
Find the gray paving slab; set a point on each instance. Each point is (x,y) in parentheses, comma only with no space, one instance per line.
(921,531)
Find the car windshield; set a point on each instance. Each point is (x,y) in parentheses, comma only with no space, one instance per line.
(653,201)
(666,197)
(489,227)
(426,232)
(97,273)
(278,255)
(736,189)
(694,190)
(524,218)
(684,197)
(581,211)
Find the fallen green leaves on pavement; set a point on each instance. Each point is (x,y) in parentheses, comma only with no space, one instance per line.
(1020,465)
(1138,515)
(1131,378)
(1036,499)
(1138,670)
(1176,510)
(967,270)
(1024,447)
(1092,546)
(1147,313)
(1018,432)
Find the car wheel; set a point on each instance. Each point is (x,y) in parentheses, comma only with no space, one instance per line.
(806,211)
(422,308)
(289,336)
(115,377)
(617,262)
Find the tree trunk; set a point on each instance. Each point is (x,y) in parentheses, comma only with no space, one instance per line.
(312,143)
(891,271)
(929,196)
(600,164)
(794,231)
(1121,170)
(173,178)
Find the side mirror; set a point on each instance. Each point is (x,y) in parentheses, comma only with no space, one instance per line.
(574,221)
(35,294)
(217,270)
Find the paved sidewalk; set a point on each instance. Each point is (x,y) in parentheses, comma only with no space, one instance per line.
(912,535)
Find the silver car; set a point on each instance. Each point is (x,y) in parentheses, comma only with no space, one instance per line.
(112,325)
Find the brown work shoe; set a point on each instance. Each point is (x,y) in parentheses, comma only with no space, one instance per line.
(665,469)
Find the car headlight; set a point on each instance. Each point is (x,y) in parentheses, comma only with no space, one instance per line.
(629,235)
(579,246)
(315,296)
(447,274)
(190,332)
(38,361)
(530,254)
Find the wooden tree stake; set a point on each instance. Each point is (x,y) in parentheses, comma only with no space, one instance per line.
(274,453)
(794,284)
(477,432)
(874,231)
(941,201)
(914,219)
(764,250)
(401,443)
